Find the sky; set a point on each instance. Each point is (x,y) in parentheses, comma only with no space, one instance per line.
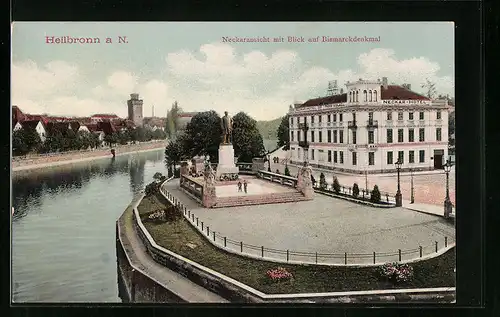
(189,62)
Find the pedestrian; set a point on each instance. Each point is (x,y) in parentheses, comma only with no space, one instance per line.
(239,186)
(245,185)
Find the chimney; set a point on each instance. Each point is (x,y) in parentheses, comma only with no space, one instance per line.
(384,82)
(408,86)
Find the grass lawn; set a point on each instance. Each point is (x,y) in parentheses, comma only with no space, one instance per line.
(180,237)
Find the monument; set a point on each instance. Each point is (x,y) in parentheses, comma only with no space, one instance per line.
(226,169)
(304,183)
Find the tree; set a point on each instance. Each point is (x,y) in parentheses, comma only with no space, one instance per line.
(430,87)
(336,185)
(111,139)
(24,141)
(247,141)
(173,153)
(202,135)
(375,196)
(84,138)
(322,182)
(283,132)
(172,122)
(159,134)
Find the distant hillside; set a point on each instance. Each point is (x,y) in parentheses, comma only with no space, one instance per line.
(268,128)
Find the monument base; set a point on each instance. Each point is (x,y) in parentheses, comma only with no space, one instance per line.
(226,169)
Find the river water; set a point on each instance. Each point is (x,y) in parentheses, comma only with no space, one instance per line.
(63,230)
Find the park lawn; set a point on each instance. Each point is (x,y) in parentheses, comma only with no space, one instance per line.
(175,236)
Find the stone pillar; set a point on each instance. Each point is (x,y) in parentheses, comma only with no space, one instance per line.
(304,183)
(209,197)
(258,164)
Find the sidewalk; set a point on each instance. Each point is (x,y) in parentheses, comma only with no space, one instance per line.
(426,208)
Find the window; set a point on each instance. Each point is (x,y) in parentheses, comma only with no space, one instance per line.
(291,121)
(312,119)
(334,117)
(365,95)
(334,136)
(329,156)
(410,116)
(389,135)
(421,115)
(371,158)
(389,158)
(371,137)
(389,116)
(334,156)
(312,155)
(341,117)
(320,136)
(421,135)
(370,116)
(400,135)
(371,98)
(357,96)
(353,137)
(341,136)
(350,96)
(354,158)
(329,118)
(438,134)
(341,157)
(321,156)
(411,135)
(438,115)
(400,116)
(299,133)
(411,157)
(329,136)
(421,156)
(312,136)
(292,135)
(401,157)
(374,95)
(319,118)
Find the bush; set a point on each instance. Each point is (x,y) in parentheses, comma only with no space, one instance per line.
(287,171)
(177,173)
(279,274)
(375,197)
(355,190)
(336,185)
(396,272)
(152,188)
(277,171)
(322,182)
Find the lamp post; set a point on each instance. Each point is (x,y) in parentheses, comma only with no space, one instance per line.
(412,197)
(448,206)
(399,197)
(268,162)
(366,181)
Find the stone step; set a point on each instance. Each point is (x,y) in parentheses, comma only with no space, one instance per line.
(260,200)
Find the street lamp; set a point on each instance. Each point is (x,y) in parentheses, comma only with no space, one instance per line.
(412,197)
(268,162)
(448,206)
(399,197)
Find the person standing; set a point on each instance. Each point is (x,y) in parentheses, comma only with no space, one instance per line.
(239,186)
(245,185)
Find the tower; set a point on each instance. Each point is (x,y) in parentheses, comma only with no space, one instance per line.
(135,109)
(333,89)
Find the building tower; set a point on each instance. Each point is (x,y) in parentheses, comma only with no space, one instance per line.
(135,109)
(333,89)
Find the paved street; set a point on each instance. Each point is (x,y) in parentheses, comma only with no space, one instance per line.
(324,225)
(429,187)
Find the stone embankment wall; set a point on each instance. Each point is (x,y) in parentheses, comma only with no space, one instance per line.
(76,155)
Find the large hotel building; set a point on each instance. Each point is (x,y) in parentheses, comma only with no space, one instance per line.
(368,128)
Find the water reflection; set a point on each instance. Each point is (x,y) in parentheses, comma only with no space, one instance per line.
(63,233)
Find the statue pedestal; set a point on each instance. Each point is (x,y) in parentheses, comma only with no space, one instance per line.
(226,168)
(304,183)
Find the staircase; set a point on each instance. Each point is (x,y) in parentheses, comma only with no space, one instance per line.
(274,198)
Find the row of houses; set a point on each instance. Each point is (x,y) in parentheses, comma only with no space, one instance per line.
(100,124)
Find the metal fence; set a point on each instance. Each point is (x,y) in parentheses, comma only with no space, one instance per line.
(291,256)
(363,195)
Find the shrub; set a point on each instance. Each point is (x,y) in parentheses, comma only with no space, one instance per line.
(336,185)
(277,171)
(279,274)
(375,197)
(287,171)
(355,190)
(322,181)
(396,272)
(157,216)
(152,188)
(157,176)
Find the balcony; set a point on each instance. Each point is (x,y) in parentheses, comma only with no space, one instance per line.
(439,122)
(372,146)
(352,124)
(389,123)
(372,124)
(351,147)
(304,144)
(400,123)
(411,123)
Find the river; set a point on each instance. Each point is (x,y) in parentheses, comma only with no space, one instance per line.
(63,230)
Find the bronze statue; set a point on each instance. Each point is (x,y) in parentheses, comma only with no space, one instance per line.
(226,124)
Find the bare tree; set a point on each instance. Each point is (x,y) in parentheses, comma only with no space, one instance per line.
(430,87)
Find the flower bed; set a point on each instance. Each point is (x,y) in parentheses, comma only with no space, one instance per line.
(279,274)
(397,272)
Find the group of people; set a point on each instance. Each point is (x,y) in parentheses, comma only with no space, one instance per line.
(245,186)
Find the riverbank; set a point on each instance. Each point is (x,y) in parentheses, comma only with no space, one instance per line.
(76,157)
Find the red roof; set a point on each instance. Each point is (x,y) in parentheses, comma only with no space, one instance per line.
(400,93)
(325,100)
(106,127)
(107,116)
(92,127)
(42,118)
(30,124)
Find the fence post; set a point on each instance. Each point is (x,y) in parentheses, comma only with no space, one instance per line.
(189,212)
(208,230)
(213,235)
(202,226)
(193,217)
(316,258)
(241,246)
(445,242)
(345,257)
(399,252)
(225,245)
(436,246)
(262,250)
(287,256)
(363,193)
(373,257)
(197,221)
(420,247)
(387,197)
